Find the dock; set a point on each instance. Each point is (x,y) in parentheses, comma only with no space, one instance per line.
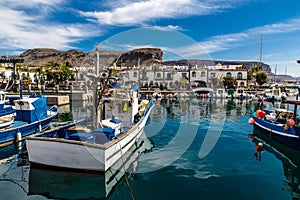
(58,100)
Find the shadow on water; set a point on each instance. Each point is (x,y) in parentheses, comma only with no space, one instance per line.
(289,157)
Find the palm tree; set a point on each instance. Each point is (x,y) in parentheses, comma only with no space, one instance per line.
(182,82)
(144,71)
(155,69)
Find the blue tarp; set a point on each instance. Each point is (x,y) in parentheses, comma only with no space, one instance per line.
(135,88)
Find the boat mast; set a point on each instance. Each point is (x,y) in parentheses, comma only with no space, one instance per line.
(260,51)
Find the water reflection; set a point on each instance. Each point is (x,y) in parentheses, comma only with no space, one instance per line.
(72,185)
(185,175)
(290,161)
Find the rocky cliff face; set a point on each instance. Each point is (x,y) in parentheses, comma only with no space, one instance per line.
(42,56)
(143,56)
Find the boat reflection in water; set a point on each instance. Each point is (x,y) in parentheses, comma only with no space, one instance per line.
(289,157)
(78,185)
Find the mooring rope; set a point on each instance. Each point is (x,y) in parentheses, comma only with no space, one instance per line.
(13,161)
(126,177)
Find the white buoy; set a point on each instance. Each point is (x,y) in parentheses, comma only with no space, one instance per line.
(18,136)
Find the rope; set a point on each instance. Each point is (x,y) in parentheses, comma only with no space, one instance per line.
(15,182)
(126,177)
(13,161)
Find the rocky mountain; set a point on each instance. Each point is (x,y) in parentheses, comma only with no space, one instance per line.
(42,56)
(142,56)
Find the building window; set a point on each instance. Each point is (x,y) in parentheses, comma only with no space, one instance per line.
(213,74)
(169,76)
(193,74)
(242,84)
(240,76)
(135,74)
(202,74)
(228,74)
(158,75)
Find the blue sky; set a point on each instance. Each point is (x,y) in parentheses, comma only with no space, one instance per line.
(190,29)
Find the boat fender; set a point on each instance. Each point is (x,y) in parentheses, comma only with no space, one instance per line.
(40,127)
(251,120)
(260,114)
(290,122)
(18,136)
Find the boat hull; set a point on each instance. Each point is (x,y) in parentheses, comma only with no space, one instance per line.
(82,155)
(8,136)
(276,132)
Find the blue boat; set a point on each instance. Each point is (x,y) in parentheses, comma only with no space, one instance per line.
(280,125)
(5,109)
(32,115)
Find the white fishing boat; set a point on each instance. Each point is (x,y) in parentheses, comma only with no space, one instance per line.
(52,183)
(78,147)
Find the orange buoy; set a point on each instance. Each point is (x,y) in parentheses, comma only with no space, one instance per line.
(257,113)
(290,122)
(262,114)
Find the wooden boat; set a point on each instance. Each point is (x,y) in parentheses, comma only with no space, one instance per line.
(80,146)
(280,125)
(32,115)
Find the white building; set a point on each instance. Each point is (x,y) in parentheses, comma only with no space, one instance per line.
(172,77)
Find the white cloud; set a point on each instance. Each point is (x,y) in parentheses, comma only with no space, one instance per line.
(167,28)
(144,11)
(21,30)
(30,3)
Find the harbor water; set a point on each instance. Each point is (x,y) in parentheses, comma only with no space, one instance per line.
(191,149)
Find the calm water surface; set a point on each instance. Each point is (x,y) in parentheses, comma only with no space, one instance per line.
(191,149)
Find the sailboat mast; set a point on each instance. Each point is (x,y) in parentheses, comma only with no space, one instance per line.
(260,51)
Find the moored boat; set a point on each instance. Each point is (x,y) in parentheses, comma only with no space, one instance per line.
(52,183)
(80,147)
(280,125)
(5,110)
(32,115)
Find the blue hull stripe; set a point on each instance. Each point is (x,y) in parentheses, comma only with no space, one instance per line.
(277,132)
